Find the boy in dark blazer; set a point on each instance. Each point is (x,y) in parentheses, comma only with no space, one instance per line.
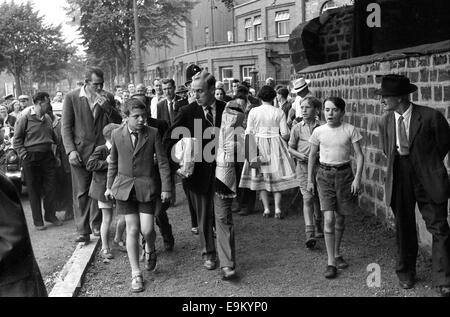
(133,181)
(98,164)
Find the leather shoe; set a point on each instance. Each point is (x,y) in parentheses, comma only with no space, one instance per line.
(341,263)
(83,238)
(210,265)
(54,220)
(228,273)
(444,291)
(194,231)
(331,271)
(406,284)
(243,212)
(169,246)
(137,284)
(150,261)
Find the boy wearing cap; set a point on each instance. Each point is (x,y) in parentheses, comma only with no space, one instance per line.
(415,140)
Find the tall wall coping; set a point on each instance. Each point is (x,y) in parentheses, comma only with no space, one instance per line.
(415,51)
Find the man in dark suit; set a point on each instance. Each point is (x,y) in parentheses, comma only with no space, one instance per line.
(168,109)
(416,140)
(19,273)
(86,111)
(202,119)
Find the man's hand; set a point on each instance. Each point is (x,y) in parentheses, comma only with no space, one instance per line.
(109,194)
(356,187)
(75,159)
(302,157)
(310,187)
(166,197)
(230,147)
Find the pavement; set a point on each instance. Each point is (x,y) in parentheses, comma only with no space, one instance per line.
(272,261)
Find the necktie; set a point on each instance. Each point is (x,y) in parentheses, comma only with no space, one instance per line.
(135,139)
(209,115)
(171,110)
(403,139)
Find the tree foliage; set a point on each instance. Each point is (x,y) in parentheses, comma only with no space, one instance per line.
(107,26)
(228,3)
(26,43)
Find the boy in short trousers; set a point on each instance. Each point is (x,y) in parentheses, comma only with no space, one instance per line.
(335,182)
(136,185)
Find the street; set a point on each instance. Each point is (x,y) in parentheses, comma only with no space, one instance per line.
(272,261)
(52,247)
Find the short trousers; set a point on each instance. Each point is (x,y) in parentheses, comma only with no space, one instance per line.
(335,190)
(105,204)
(133,206)
(301,171)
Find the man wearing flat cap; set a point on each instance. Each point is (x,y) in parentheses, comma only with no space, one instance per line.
(415,140)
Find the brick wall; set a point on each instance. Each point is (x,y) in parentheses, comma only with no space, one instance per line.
(355,80)
(336,35)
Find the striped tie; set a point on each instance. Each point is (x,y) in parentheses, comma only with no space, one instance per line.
(403,138)
(209,115)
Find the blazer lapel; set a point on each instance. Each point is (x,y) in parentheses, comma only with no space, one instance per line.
(126,139)
(414,126)
(142,140)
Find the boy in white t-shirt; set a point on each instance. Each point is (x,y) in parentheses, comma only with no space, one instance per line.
(335,182)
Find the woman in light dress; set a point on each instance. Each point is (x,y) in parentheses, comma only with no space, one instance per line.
(274,170)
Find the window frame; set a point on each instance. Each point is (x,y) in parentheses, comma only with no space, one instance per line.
(283,19)
(248,29)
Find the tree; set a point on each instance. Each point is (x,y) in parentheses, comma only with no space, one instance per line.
(107,26)
(28,44)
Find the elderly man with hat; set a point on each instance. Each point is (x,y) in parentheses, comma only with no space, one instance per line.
(415,140)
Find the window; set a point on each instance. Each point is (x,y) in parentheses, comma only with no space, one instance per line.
(257,25)
(282,19)
(248,30)
(207,36)
(227,77)
(246,73)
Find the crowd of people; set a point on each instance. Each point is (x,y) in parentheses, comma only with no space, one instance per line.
(124,154)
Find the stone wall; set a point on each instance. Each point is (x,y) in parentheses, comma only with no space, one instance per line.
(355,80)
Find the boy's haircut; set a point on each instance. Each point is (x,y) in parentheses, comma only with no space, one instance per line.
(235,81)
(313,101)
(338,102)
(242,92)
(131,104)
(283,91)
(167,81)
(267,94)
(108,129)
(40,97)
(93,70)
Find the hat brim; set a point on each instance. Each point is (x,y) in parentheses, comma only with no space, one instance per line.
(383,92)
(296,90)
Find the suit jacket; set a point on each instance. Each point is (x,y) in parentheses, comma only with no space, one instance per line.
(136,167)
(98,165)
(17,261)
(11,120)
(202,180)
(429,142)
(163,109)
(82,132)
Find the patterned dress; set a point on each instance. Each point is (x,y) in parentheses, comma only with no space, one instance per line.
(277,171)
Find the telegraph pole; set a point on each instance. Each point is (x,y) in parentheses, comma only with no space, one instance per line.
(138,43)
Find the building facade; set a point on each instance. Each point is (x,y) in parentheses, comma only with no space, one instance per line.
(252,36)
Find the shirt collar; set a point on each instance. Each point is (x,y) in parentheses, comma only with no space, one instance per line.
(33,113)
(108,145)
(316,122)
(213,106)
(405,114)
(83,92)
